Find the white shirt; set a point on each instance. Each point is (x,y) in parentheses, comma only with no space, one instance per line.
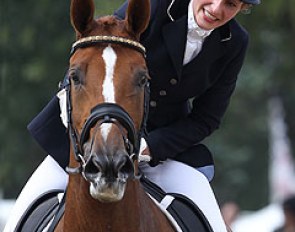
(195,36)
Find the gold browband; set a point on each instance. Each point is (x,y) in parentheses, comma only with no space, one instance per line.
(107,39)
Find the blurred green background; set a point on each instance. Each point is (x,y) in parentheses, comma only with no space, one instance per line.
(35,40)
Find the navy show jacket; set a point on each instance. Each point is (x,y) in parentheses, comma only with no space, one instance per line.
(186,102)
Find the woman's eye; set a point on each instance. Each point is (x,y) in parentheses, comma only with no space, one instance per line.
(232,4)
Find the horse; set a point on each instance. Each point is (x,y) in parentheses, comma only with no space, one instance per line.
(105,89)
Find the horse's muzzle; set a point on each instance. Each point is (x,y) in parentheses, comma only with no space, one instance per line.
(108,175)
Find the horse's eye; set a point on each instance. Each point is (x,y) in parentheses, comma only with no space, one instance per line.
(143,80)
(76,79)
(74,76)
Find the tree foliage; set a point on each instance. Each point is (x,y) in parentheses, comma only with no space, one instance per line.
(35,39)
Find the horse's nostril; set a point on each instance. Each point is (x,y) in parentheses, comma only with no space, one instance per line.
(94,165)
(124,165)
(91,168)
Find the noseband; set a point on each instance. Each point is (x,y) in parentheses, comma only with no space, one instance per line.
(105,112)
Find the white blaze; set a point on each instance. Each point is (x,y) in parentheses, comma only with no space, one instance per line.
(108,90)
(109,57)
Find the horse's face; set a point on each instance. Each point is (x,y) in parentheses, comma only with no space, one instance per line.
(107,73)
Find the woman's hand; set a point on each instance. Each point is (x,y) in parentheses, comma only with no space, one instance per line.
(144,152)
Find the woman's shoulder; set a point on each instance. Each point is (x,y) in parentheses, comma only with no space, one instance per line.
(238,32)
(233,36)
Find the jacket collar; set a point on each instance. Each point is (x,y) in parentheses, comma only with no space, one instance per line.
(174,34)
(177,9)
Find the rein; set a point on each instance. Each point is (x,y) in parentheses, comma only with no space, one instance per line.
(105,112)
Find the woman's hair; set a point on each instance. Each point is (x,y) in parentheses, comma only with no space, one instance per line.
(246,8)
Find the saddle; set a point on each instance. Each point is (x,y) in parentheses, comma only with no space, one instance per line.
(183,213)
(46,211)
(43,213)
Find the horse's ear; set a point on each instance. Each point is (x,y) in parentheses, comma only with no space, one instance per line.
(82,15)
(138,16)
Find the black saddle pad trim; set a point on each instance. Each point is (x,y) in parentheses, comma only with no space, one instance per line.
(58,215)
(186,213)
(39,213)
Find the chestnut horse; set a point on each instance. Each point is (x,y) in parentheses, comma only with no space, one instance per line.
(105,109)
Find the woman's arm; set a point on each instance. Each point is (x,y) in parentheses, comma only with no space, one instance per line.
(205,117)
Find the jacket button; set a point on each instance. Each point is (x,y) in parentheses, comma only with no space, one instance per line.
(153,103)
(173,81)
(163,93)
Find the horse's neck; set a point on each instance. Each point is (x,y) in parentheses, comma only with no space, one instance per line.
(135,212)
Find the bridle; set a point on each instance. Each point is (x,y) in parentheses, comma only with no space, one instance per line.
(105,112)
(92,40)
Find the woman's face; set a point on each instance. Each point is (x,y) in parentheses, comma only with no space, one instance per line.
(210,14)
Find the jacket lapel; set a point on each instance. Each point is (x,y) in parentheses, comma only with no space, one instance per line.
(174,35)
(213,48)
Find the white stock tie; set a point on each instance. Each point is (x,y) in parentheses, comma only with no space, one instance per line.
(195,37)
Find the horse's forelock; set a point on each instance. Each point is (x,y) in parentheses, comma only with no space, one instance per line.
(110,25)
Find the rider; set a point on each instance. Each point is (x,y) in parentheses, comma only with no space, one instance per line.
(195,50)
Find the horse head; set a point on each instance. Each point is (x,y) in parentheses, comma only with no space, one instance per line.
(107,78)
